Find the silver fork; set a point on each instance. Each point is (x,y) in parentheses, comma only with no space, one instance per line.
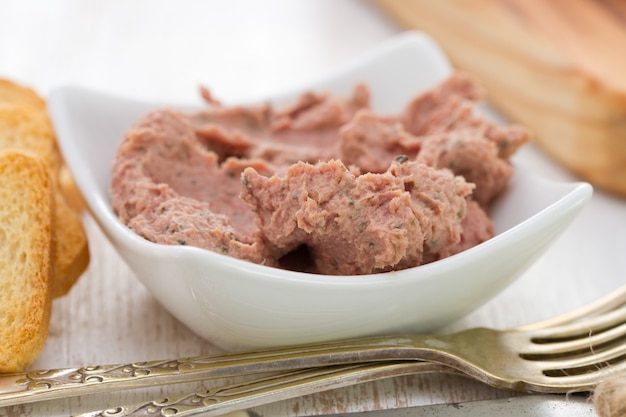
(570,353)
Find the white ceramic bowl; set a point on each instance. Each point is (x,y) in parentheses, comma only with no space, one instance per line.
(236,304)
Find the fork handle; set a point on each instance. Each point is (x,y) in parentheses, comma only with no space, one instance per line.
(240,396)
(59,383)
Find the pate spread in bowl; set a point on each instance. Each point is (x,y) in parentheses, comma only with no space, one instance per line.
(246,291)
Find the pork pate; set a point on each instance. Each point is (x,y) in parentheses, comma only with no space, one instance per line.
(351,191)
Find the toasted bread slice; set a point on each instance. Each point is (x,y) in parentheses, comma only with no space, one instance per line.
(12,93)
(27,128)
(25,125)
(72,249)
(26,261)
(70,190)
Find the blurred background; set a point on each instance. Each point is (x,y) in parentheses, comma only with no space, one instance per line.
(166,49)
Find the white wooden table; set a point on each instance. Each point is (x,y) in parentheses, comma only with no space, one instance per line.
(240,49)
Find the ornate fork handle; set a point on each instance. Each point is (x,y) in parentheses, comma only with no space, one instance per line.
(240,396)
(58,383)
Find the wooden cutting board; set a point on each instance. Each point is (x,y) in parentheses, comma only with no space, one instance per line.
(556,66)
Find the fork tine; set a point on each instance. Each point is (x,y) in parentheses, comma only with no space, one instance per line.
(582,328)
(593,335)
(587,363)
(609,302)
(559,382)
(590,343)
